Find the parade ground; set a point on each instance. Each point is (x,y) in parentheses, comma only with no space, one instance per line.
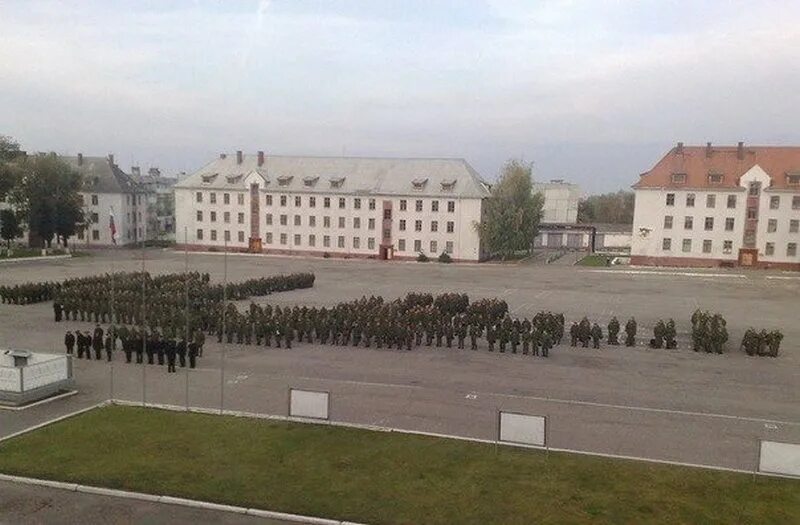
(664,405)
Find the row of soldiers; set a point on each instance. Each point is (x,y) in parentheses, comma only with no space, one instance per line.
(709,332)
(582,332)
(762,343)
(27,293)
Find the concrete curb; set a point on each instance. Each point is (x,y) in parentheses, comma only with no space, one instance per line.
(55,420)
(36,258)
(68,393)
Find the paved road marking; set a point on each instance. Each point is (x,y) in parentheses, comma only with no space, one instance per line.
(471,396)
(782,277)
(671,274)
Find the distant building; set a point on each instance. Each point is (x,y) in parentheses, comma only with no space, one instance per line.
(719,205)
(161,201)
(560,201)
(386,208)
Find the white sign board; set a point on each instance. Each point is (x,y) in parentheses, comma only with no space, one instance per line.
(308,403)
(521,428)
(779,458)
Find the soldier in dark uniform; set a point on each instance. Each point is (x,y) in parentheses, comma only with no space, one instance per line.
(200,339)
(69,342)
(193,354)
(474,334)
(127,347)
(170,349)
(573,334)
(57,311)
(597,335)
(630,332)
(97,343)
(138,346)
(109,345)
(160,347)
(613,331)
(181,349)
(149,348)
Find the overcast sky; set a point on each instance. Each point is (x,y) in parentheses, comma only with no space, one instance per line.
(590,91)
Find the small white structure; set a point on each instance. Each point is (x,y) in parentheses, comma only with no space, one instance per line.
(560,201)
(26,377)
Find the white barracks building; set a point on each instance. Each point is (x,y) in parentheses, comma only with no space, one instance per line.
(719,206)
(380,208)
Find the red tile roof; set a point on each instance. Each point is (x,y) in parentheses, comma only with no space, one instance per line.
(698,162)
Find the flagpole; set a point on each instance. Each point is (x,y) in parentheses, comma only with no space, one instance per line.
(113,336)
(224,329)
(144,316)
(186,280)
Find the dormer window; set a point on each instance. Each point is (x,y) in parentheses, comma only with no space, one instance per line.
(285,180)
(448,184)
(715,178)
(419,184)
(337,182)
(208,179)
(310,181)
(678,178)
(233,179)
(793,179)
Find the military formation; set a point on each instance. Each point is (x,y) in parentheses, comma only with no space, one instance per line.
(29,293)
(762,343)
(709,332)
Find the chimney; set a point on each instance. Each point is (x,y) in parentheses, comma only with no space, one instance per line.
(708,150)
(679,149)
(111,159)
(136,171)
(80,159)
(260,158)
(238,156)
(740,151)
(222,156)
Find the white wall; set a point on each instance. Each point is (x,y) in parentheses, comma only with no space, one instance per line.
(560,202)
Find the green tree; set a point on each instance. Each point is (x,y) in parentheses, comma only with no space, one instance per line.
(46,195)
(10,227)
(608,208)
(512,212)
(9,153)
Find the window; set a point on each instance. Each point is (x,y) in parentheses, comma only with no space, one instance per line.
(312,220)
(434,226)
(417,226)
(312,240)
(678,178)
(417,245)
(401,245)
(688,223)
(387,214)
(213,235)
(793,180)
(326,202)
(226,198)
(341,222)
(731,201)
(772,225)
(666,244)
(326,221)
(754,189)
(371,224)
(434,205)
(448,247)
(356,243)
(94,200)
(371,243)
(402,225)
(326,241)
(226,216)
(387,233)
(451,206)
(298,201)
(95,235)
(269,200)
(670,199)
(668,222)
(715,178)
(729,224)
(711,200)
(372,204)
(791,249)
(297,239)
(769,249)
(241,236)
(241,218)
(227,235)
(794,226)
(403,204)
(687,245)
(418,205)
(240,199)
(298,221)
(690,200)
(268,238)
(284,219)
(283,200)
(212,198)
(283,239)
(213,216)
(774,202)
(356,223)
(199,235)
(707,246)
(451,226)
(796,202)
(357,203)
(727,247)
(199,216)
(198,196)
(269,219)
(341,203)
(434,247)
(312,202)
(752,213)
(709,224)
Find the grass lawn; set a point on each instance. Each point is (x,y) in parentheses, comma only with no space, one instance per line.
(594,260)
(374,477)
